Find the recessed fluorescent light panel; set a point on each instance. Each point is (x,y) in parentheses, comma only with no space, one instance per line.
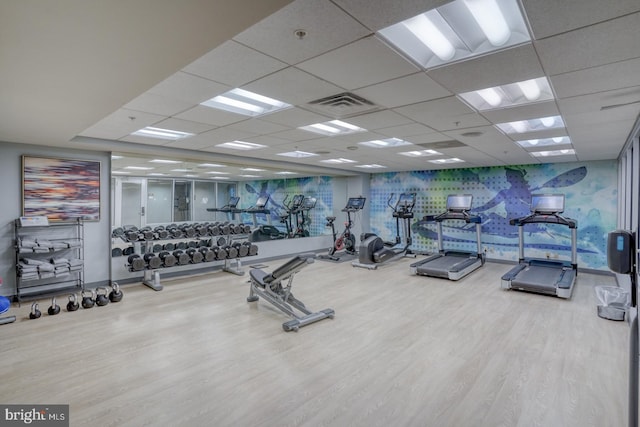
(297,154)
(385,143)
(244,102)
(567,152)
(217,173)
(420,153)
(120,173)
(338,161)
(157,174)
(520,93)
(333,128)
(250,176)
(447,161)
(220,177)
(139,168)
(532,125)
(252,169)
(158,133)
(115,157)
(371,166)
(211,165)
(544,142)
(241,145)
(286,173)
(458,30)
(163,161)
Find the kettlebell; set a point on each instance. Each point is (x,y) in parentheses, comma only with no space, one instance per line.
(73,305)
(53,308)
(87,300)
(35,311)
(116,294)
(101,297)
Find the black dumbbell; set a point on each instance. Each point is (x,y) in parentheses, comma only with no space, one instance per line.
(136,263)
(221,253)
(182,257)
(153,261)
(231,252)
(157,247)
(168,259)
(169,246)
(207,254)
(128,251)
(243,251)
(195,255)
(161,232)
(181,245)
(246,228)
(253,248)
(116,252)
(221,241)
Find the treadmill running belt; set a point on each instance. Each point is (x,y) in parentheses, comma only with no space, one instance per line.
(538,278)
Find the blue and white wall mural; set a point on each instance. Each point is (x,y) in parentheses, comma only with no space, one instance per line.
(281,192)
(503,193)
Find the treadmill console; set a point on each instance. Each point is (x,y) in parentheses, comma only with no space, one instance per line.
(262,202)
(620,251)
(355,204)
(459,202)
(233,202)
(547,204)
(406,202)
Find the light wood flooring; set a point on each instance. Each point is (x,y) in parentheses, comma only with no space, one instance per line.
(402,350)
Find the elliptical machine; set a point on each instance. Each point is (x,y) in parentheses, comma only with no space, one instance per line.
(346,241)
(374,251)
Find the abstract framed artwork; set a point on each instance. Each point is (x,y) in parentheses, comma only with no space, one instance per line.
(61,189)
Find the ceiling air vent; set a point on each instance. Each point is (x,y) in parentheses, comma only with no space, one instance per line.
(442,144)
(342,105)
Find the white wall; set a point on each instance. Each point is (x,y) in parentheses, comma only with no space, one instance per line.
(97,234)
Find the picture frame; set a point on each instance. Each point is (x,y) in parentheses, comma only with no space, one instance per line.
(61,189)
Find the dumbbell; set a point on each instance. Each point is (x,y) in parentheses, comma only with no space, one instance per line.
(220,253)
(102,296)
(146,233)
(54,308)
(207,254)
(253,248)
(225,229)
(246,229)
(118,232)
(161,232)
(157,247)
(168,259)
(243,251)
(73,304)
(181,245)
(128,251)
(189,231)
(169,247)
(116,252)
(136,263)
(182,257)
(202,229)
(213,229)
(116,294)
(153,261)
(88,299)
(195,255)
(231,252)
(175,232)
(220,241)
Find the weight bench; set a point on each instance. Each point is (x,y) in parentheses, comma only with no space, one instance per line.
(270,287)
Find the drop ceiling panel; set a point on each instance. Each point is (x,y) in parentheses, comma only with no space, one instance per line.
(403,91)
(530,111)
(138,139)
(405,131)
(443,114)
(594,102)
(611,41)
(326,25)
(379,120)
(294,117)
(504,67)
(258,126)
(598,79)
(121,123)
(550,17)
(184,125)
(188,88)
(268,140)
(157,104)
(211,116)
(234,64)
(293,86)
(356,69)
(386,12)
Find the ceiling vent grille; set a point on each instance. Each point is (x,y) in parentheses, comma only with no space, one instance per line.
(442,144)
(345,104)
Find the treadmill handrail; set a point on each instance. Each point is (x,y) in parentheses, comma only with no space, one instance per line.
(464,216)
(537,218)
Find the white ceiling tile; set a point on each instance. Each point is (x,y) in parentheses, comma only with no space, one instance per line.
(593,103)
(211,116)
(551,17)
(597,79)
(504,67)
(386,12)
(356,68)
(611,41)
(443,114)
(258,126)
(188,88)
(234,64)
(403,91)
(184,125)
(120,123)
(138,139)
(326,25)
(524,112)
(293,86)
(379,120)
(157,104)
(294,117)
(404,131)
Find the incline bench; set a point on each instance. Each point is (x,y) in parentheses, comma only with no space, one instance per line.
(270,287)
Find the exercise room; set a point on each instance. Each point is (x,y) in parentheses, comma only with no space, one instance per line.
(320,213)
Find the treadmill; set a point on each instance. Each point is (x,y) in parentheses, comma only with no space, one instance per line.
(231,208)
(452,265)
(544,276)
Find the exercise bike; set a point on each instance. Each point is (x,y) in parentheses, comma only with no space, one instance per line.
(346,241)
(374,251)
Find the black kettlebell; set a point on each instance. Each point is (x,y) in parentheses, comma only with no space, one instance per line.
(87,300)
(35,311)
(73,304)
(101,297)
(116,294)
(53,308)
